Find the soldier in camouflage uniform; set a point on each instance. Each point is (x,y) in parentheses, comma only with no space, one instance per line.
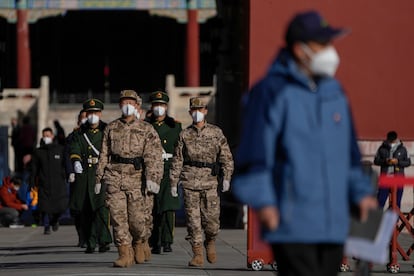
(130,148)
(165,204)
(201,154)
(148,196)
(84,152)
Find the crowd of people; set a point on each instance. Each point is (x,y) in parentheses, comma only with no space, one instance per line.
(120,180)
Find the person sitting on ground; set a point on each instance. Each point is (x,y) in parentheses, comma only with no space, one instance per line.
(11,206)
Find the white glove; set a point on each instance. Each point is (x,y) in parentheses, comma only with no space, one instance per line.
(226,186)
(77,166)
(98,188)
(71,178)
(153,187)
(174,192)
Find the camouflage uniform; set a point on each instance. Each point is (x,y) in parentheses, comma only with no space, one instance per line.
(124,192)
(205,146)
(149,205)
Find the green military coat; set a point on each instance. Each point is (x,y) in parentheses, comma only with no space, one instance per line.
(168,131)
(85,182)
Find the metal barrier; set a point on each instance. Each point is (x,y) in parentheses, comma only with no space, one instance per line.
(394,182)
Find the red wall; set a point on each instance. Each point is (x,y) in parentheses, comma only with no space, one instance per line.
(377,57)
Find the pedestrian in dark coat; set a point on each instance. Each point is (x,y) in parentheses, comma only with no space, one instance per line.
(393,157)
(48,173)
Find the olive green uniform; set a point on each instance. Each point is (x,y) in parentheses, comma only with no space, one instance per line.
(94,214)
(164,203)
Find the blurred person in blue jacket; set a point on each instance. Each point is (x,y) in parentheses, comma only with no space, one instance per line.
(298,163)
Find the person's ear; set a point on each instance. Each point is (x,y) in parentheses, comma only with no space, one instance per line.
(298,52)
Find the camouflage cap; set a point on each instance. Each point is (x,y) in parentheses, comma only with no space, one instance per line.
(139,101)
(93,105)
(197,102)
(159,97)
(128,94)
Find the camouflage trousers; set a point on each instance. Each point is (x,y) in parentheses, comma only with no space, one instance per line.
(202,209)
(127,209)
(149,204)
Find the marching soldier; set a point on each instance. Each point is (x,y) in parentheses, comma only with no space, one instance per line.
(84,152)
(131,149)
(165,204)
(201,154)
(70,173)
(148,196)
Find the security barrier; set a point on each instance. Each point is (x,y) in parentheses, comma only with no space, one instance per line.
(394,182)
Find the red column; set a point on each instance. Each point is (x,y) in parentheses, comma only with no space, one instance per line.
(23,50)
(193,52)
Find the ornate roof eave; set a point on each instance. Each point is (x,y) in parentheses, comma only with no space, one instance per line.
(33,15)
(181,15)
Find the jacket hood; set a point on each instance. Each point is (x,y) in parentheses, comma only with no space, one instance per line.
(285,66)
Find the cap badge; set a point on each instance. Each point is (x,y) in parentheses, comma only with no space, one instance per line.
(92,103)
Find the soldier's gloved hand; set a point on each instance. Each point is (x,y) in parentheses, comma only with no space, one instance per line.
(98,188)
(174,191)
(77,166)
(71,178)
(153,187)
(226,186)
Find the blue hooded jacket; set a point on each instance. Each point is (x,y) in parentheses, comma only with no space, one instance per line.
(298,152)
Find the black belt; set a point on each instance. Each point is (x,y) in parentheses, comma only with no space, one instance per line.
(136,161)
(199,164)
(118,159)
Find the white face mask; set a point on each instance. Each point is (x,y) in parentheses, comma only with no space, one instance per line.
(47,140)
(324,62)
(137,114)
(197,116)
(93,119)
(128,109)
(84,120)
(158,111)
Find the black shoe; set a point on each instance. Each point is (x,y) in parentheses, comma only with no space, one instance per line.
(89,250)
(103,248)
(81,244)
(156,250)
(47,230)
(55,227)
(167,247)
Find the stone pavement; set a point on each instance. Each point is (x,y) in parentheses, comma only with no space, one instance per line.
(27,251)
